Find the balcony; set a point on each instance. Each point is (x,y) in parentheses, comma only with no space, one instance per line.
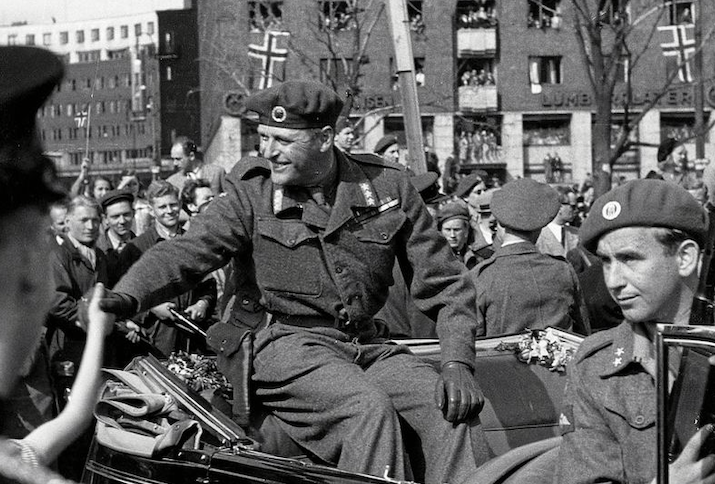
(478,98)
(476,42)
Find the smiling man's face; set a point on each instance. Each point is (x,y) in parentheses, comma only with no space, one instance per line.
(297,156)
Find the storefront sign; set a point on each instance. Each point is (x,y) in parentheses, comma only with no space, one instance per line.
(682,97)
(369,102)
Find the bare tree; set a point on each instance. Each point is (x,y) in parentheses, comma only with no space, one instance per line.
(613,36)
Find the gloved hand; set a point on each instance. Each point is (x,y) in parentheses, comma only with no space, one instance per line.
(458,394)
(121,305)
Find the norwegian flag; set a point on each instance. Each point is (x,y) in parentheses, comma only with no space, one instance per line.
(271,56)
(81,119)
(679,43)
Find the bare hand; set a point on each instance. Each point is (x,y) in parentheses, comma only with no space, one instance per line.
(135,331)
(197,311)
(99,321)
(162,310)
(689,468)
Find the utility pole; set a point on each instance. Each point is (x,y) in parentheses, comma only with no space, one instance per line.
(405,64)
(699,90)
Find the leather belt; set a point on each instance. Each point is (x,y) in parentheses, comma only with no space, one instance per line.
(314,322)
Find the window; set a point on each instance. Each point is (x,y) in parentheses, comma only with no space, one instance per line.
(118,54)
(169,74)
(110,33)
(415,16)
(124,29)
(94,35)
(471,16)
(79,36)
(64,38)
(477,71)
(419,71)
(680,12)
(69,110)
(150,28)
(30,39)
(680,126)
(265,15)
(137,30)
(12,39)
(615,12)
(167,43)
(624,65)
(544,70)
(46,39)
(332,71)
(337,15)
(544,14)
(547,131)
(88,56)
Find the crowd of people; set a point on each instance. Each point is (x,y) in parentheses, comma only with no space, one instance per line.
(334,253)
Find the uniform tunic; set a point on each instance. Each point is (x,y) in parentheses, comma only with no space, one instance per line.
(520,288)
(610,413)
(336,387)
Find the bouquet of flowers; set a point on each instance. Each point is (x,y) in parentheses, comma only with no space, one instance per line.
(542,347)
(199,372)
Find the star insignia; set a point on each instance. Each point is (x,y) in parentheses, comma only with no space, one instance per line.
(620,351)
(617,361)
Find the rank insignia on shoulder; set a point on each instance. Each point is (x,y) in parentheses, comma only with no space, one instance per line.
(566,423)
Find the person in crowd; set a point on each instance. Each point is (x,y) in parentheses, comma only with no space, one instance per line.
(483,225)
(196,304)
(196,195)
(453,222)
(474,183)
(649,235)
(323,229)
(96,188)
(117,217)
(58,221)
(189,160)
(130,182)
(30,186)
(388,148)
(519,287)
(99,186)
(559,237)
(345,134)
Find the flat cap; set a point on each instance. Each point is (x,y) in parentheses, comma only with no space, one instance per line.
(525,205)
(384,143)
(28,75)
(644,203)
(467,183)
(116,196)
(296,105)
(452,210)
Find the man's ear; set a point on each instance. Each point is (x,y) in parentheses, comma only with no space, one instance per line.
(688,258)
(193,208)
(327,137)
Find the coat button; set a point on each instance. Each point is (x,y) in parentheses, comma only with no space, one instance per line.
(639,419)
(291,241)
(245,302)
(383,235)
(338,270)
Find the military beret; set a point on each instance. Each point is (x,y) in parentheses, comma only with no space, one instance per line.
(451,211)
(384,143)
(644,203)
(296,105)
(426,184)
(29,76)
(467,183)
(116,196)
(525,205)
(483,202)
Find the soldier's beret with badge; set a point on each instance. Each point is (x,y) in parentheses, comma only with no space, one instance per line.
(28,76)
(644,203)
(296,105)
(467,183)
(525,205)
(384,143)
(452,210)
(483,202)
(116,196)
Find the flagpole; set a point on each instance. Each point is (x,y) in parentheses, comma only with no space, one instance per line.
(699,89)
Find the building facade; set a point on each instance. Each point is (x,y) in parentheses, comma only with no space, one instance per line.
(126,90)
(500,84)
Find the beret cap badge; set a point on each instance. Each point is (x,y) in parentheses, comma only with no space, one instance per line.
(611,210)
(278,113)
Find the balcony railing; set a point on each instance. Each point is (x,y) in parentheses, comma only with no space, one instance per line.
(478,98)
(472,42)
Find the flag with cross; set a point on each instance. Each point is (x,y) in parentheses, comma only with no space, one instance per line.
(272,55)
(81,118)
(678,44)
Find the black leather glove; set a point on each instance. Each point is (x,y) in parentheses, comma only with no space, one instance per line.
(122,305)
(458,394)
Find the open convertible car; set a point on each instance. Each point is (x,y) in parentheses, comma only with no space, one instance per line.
(155,427)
